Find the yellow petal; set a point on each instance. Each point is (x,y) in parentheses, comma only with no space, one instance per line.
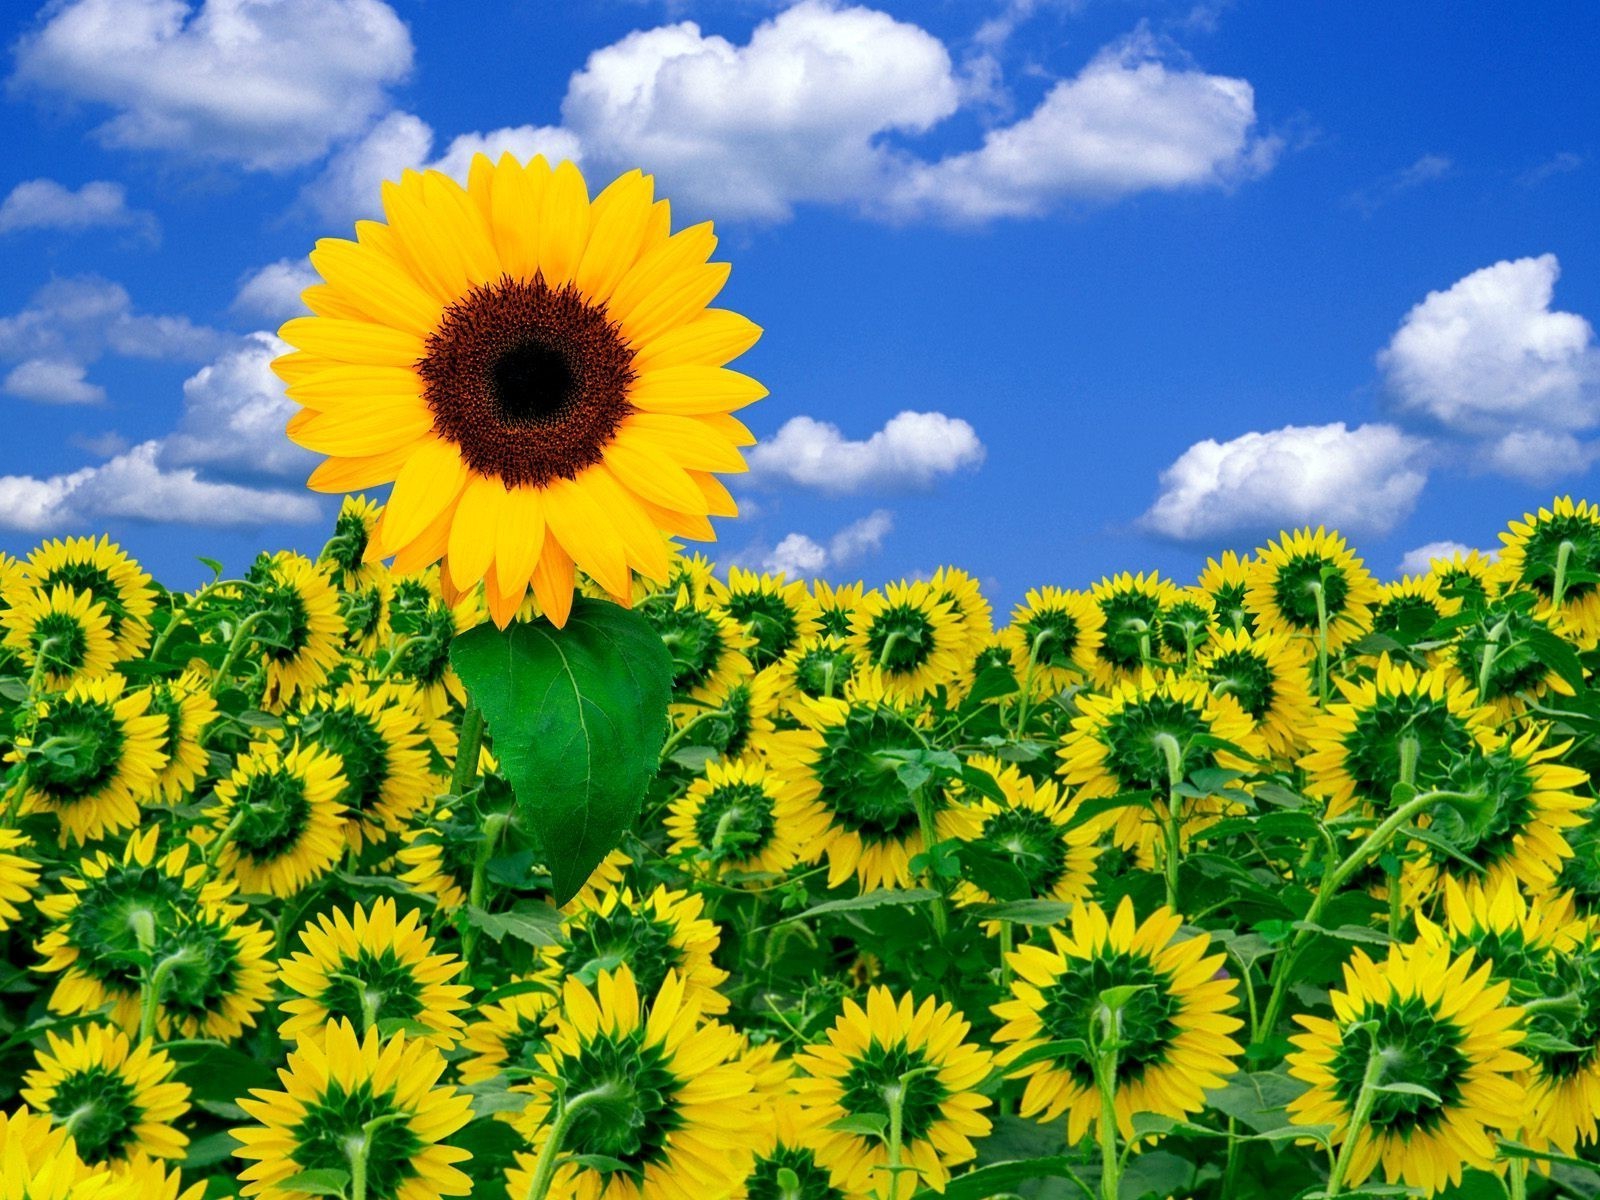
(427,485)
(519,535)
(426,548)
(689,441)
(646,552)
(333,387)
(472,530)
(718,500)
(692,390)
(661,268)
(514,213)
(563,225)
(377,286)
(715,338)
(354,341)
(647,471)
(618,219)
(679,300)
(361,429)
(353,474)
(553,582)
(581,526)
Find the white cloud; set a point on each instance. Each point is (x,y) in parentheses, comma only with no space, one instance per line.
(1536,455)
(1420,560)
(796,556)
(273,291)
(1128,122)
(1424,170)
(234,413)
(1362,480)
(797,114)
(134,486)
(46,204)
(861,538)
(265,85)
(1488,356)
(800,556)
(911,451)
(52,381)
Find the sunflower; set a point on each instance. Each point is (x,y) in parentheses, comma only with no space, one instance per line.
(1288,576)
(538,374)
(64,635)
(836,605)
(279,818)
(19,876)
(1031,828)
(95,923)
(1424,1018)
(913,639)
(39,1161)
(364,609)
(666,1111)
(773,612)
(1502,654)
(961,592)
(1188,624)
(373,967)
(708,649)
(114,580)
(142,1178)
(300,632)
(665,933)
(1175,1027)
(743,818)
(1409,608)
(816,667)
(346,550)
(893,1048)
(843,760)
(508,1034)
(1563,1106)
(423,624)
(1357,748)
(437,855)
(347,1098)
(733,718)
(218,975)
(108,757)
(377,735)
(1556,555)
(1471,576)
(1530,804)
(1054,636)
(1226,580)
(784,1166)
(185,703)
(1121,741)
(1268,675)
(1131,608)
(114,1097)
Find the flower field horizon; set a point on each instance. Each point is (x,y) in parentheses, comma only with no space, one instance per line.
(1280,882)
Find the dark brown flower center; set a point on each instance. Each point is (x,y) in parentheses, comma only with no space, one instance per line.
(529,381)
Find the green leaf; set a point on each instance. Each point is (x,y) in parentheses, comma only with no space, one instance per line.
(1100,805)
(578,717)
(1001,1178)
(325,1181)
(861,1124)
(878,899)
(1023,912)
(535,926)
(390,1026)
(1410,1089)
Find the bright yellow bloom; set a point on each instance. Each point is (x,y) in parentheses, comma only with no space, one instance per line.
(1290,574)
(64,634)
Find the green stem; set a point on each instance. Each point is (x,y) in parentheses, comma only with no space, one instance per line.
(676,740)
(930,836)
(1558,587)
(493,826)
(465,773)
(1366,1098)
(150,1005)
(1491,652)
(888,644)
(894,1098)
(1517,1175)
(241,635)
(1322,639)
(550,1155)
(1007,940)
(397,655)
(1172,821)
(1026,700)
(358,1150)
(1105,1081)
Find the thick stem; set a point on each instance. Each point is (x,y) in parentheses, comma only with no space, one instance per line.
(1172,821)
(241,637)
(494,826)
(1366,1098)
(1026,699)
(550,1155)
(1558,586)
(150,1002)
(1105,1080)
(465,773)
(894,1098)
(678,736)
(1517,1177)
(1491,652)
(358,1150)
(1322,640)
(930,835)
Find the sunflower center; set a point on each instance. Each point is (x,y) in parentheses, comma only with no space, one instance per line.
(101,926)
(883,1067)
(1034,843)
(1374,745)
(275,811)
(372,987)
(900,639)
(769,620)
(735,822)
(859,786)
(1420,1049)
(88,745)
(338,1117)
(530,382)
(1071,1008)
(1134,748)
(1248,678)
(101,1110)
(624,937)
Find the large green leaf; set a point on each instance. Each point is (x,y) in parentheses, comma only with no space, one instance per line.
(578,716)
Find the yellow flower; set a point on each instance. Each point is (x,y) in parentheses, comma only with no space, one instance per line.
(537,373)
(279,818)
(914,639)
(1053,638)
(64,634)
(773,612)
(99,567)
(1226,580)
(742,818)
(377,735)
(1131,608)
(185,703)
(1288,577)
(300,625)
(1269,675)
(1555,554)
(19,876)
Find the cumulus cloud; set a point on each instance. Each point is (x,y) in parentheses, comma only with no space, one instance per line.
(911,451)
(800,556)
(1128,122)
(52,381)
(1420,560)
(350,186)
(797,556)
(1488,355)
(273,291)
(46,204)
(1363,480)
(234,413)
(268,86)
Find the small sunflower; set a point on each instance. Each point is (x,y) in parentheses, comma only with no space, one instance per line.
(772,611)
(1409,608)
(1226,580)
(1054,636)
(1501,655)
(784,1166)
(669,1110)
(734,718)
(19,876)
(364,610)
(1555,553)
(377,735)
(300,631)
(1563,1106)
(742,818)
(1175,1027)
(836,605)
(1120,743)
(346,550)
(437,855)
(894,1045)
(219,975)
(369,968)
(423,624)
(665,933)
(708,649)
(114,580)
(1469,576)
(1425,1018)
(115,1098)
(279,818)
(539,375)
(39,1161)
(1188,624)
(508,1034)
(1131,608)
(64,635)
(843,760)
(112,758)
(1268,675)
(342,1092)
(1357,746)
(185,703)
(910,636)
(817,667)
(1287,577)
(961,592)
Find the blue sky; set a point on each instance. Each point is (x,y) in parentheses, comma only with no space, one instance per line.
(1051,290)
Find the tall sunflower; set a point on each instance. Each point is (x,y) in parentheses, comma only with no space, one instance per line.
(369,968)
(708,648)
(63,634)
(1188,624)
(816,667)
(1269,675)
(300,631)
(99,567)
(961,592)
(116,1098)
(1289,575)
(423,623)
(346,550)
(113,758)
(1131,608)
(1502,655)
(377,735)
(1176,1030)
(1410,607)
(836,605)
(279,818)
(1555,553)
(1469,576)
(1426,1019)
(742,818)
(346,1097)
(913,638)
(1226,580)
(219,975)
(1053,637)
(507,1035)
(893,1045)
(668,1114)
(538,374)
(185,703)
